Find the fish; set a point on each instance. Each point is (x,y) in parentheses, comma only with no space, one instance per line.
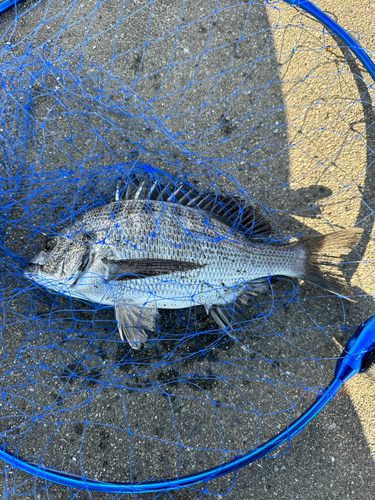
(163,244)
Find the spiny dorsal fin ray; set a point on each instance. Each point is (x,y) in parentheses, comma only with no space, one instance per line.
(248,220)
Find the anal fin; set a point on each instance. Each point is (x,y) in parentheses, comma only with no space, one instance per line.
(235,312)
(133,320)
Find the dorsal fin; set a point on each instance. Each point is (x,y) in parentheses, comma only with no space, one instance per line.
(247,220)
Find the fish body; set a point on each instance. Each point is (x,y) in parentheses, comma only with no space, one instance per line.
(141,255)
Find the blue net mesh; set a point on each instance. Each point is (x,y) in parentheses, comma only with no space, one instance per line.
(254,103)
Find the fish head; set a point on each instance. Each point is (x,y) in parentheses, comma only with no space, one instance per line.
(59,262)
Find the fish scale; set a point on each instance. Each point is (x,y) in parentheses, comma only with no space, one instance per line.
(179,233)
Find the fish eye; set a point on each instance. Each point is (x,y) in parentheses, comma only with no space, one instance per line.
(49,245)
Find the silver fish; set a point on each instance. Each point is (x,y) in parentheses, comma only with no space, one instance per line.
(161,247)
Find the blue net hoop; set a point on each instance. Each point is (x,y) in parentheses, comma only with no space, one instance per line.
(87,111)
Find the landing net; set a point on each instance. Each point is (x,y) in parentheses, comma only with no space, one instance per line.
(253,101)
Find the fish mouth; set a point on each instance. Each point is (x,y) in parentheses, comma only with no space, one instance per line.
(31,268)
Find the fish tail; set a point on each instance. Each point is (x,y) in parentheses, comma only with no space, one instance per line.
(320,252)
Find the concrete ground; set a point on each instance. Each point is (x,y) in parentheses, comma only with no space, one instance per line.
(315,151)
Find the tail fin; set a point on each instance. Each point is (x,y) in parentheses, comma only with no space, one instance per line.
(323,251)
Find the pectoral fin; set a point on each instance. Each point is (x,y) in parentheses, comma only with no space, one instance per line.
(131,269)
(132,321)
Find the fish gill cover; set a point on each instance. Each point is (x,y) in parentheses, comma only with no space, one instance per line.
(253,103)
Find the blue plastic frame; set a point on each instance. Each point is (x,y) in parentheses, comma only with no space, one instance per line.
(350,363)
(329,23)
(7,4)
